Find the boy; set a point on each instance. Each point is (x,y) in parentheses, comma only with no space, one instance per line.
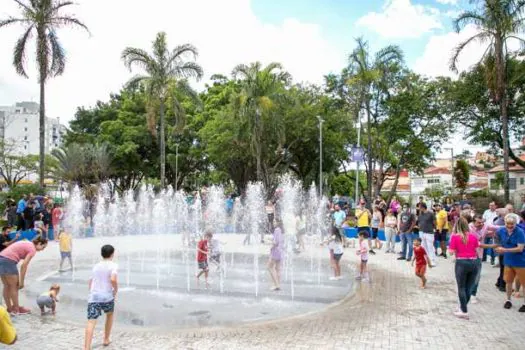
(422,260)
(65,242)
(202,257)
(103,288)
(215,253)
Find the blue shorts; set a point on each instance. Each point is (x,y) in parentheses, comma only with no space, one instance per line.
(94,310)
(64,255)
(8,266)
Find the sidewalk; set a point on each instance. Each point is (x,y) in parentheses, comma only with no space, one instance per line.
(391,312)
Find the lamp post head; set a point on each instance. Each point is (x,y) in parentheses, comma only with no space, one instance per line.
(321,120)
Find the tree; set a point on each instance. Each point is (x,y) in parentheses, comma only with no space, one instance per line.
(255,103)
(435,192)
(163,68)
(461,175)
(369,73)
(497,21)
(43,18)
(13,166)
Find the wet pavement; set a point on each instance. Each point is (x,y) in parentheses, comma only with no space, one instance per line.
(390,312)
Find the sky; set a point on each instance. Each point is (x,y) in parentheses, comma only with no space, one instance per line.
(311,38)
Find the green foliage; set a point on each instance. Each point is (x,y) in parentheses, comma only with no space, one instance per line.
(435,192)
(461,175)
(16,193)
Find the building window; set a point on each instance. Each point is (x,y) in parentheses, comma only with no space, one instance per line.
(25,138)
(26,120)
(25,129)
(522,181)
(25,147)
(512,184)
(432,181)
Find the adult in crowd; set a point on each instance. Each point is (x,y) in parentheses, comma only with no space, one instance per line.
(464,201)
(485,232)
(500,221)
(426,221)
(406,223)
(464,245)
(363,217)
(511,243)
(21,225)
(4,238)
(454,214)
(489,216)
(441,229)
(390,232)
(11,279)
(523,203)
(418,205)
(395,206)
(29,216)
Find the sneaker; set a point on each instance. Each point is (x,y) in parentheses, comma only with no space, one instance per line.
(401,258)
(522,308)
(23,311)
(507,304)
(333,278)
(371,251)
(474,300)
(461,314)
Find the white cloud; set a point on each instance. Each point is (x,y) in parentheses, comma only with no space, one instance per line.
(225,32)
(448,2)
(402,19)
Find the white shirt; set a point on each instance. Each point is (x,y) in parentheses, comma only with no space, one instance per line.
(489,216)
(215,247)
(101,288)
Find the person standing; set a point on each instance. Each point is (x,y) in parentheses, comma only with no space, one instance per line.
(339,217)
(395,206)
(406,224)
(29,216)
(426,221)
(464,245)
(441,229)
(363,220)
(376,223)
(276,255)
(500,221)
(56,218)
(390,232)
(21,225)
(489,216)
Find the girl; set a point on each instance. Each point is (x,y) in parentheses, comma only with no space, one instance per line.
(363,253)
(422,260)
(48,299)
(390,232)
(376,222)
(9,258)
(276,255)
(463,245)
(335,246)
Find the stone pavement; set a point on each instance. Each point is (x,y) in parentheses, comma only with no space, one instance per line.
(391,312)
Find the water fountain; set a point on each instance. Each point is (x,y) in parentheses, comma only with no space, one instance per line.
(155,235)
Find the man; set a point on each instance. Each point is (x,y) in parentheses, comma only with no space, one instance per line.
(339,217)
(21,226)
(511,243)
(420,200)
(464,201)
(363,216)
(485,232)
(488,217)
(441,229)
(29,216)
(405,225)
(500,221)
(426,221)
(4,238)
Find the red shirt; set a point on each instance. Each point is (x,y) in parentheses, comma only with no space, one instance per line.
(419,253)
(203,245)
(56,216)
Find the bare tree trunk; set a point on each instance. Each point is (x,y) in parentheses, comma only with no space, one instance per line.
(162,147)
(502,100)
(42,123)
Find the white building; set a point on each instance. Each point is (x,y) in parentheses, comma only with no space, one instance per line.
(431,177)
(516,180)
(19,125)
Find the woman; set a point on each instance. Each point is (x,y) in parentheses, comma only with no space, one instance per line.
(390,231)
(464,245)
(376,223)
(9,258)
(395,206)
(276,255)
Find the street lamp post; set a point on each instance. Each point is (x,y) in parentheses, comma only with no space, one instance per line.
(176,166)
(321,121)
(452,169)
(358,126)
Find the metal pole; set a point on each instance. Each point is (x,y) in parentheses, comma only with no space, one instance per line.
(176,166)
(452,165)
(357,162)
(320,156)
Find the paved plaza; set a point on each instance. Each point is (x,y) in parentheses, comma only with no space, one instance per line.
(391,312)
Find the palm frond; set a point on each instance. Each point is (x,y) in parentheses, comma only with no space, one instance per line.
(483,36)
(69,21)
(58,5)
(23,6)
(160,49)
(19,56)
(136,81)
(58,56)
(469,17)
(184,50)
(241,71)
(180,114)
(12,20)
(187,70)
(133,56)
(389,54)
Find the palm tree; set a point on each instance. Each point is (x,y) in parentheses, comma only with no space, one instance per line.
(260,89)
(163,69)
(43,18)
(497,22)
(367,72)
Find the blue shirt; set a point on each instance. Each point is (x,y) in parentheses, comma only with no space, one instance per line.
(339,218)
(21,206)
(512,241)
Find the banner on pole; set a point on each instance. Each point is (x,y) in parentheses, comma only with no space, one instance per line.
(358,154)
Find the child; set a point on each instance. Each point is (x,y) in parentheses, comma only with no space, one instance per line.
(276,255)
(103,288)
(363,252)
(215,253)
(202,257)
(422,260)
(48,299)
(335,245)
(66,246)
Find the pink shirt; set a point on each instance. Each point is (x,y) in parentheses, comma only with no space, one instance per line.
(464,251)
(19,251)
(482,233)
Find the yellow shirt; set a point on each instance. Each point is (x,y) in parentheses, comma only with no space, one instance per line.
(363,220)
(442,220)
(65,242)
(7,331)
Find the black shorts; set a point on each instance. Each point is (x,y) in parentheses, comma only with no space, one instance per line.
(375,231)
(203,265)
(337,257)
(441,236)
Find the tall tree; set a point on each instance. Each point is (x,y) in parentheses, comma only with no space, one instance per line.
(43,18)
(368,73)
(163,68)
(461,175)
(497,22)
(260,89)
